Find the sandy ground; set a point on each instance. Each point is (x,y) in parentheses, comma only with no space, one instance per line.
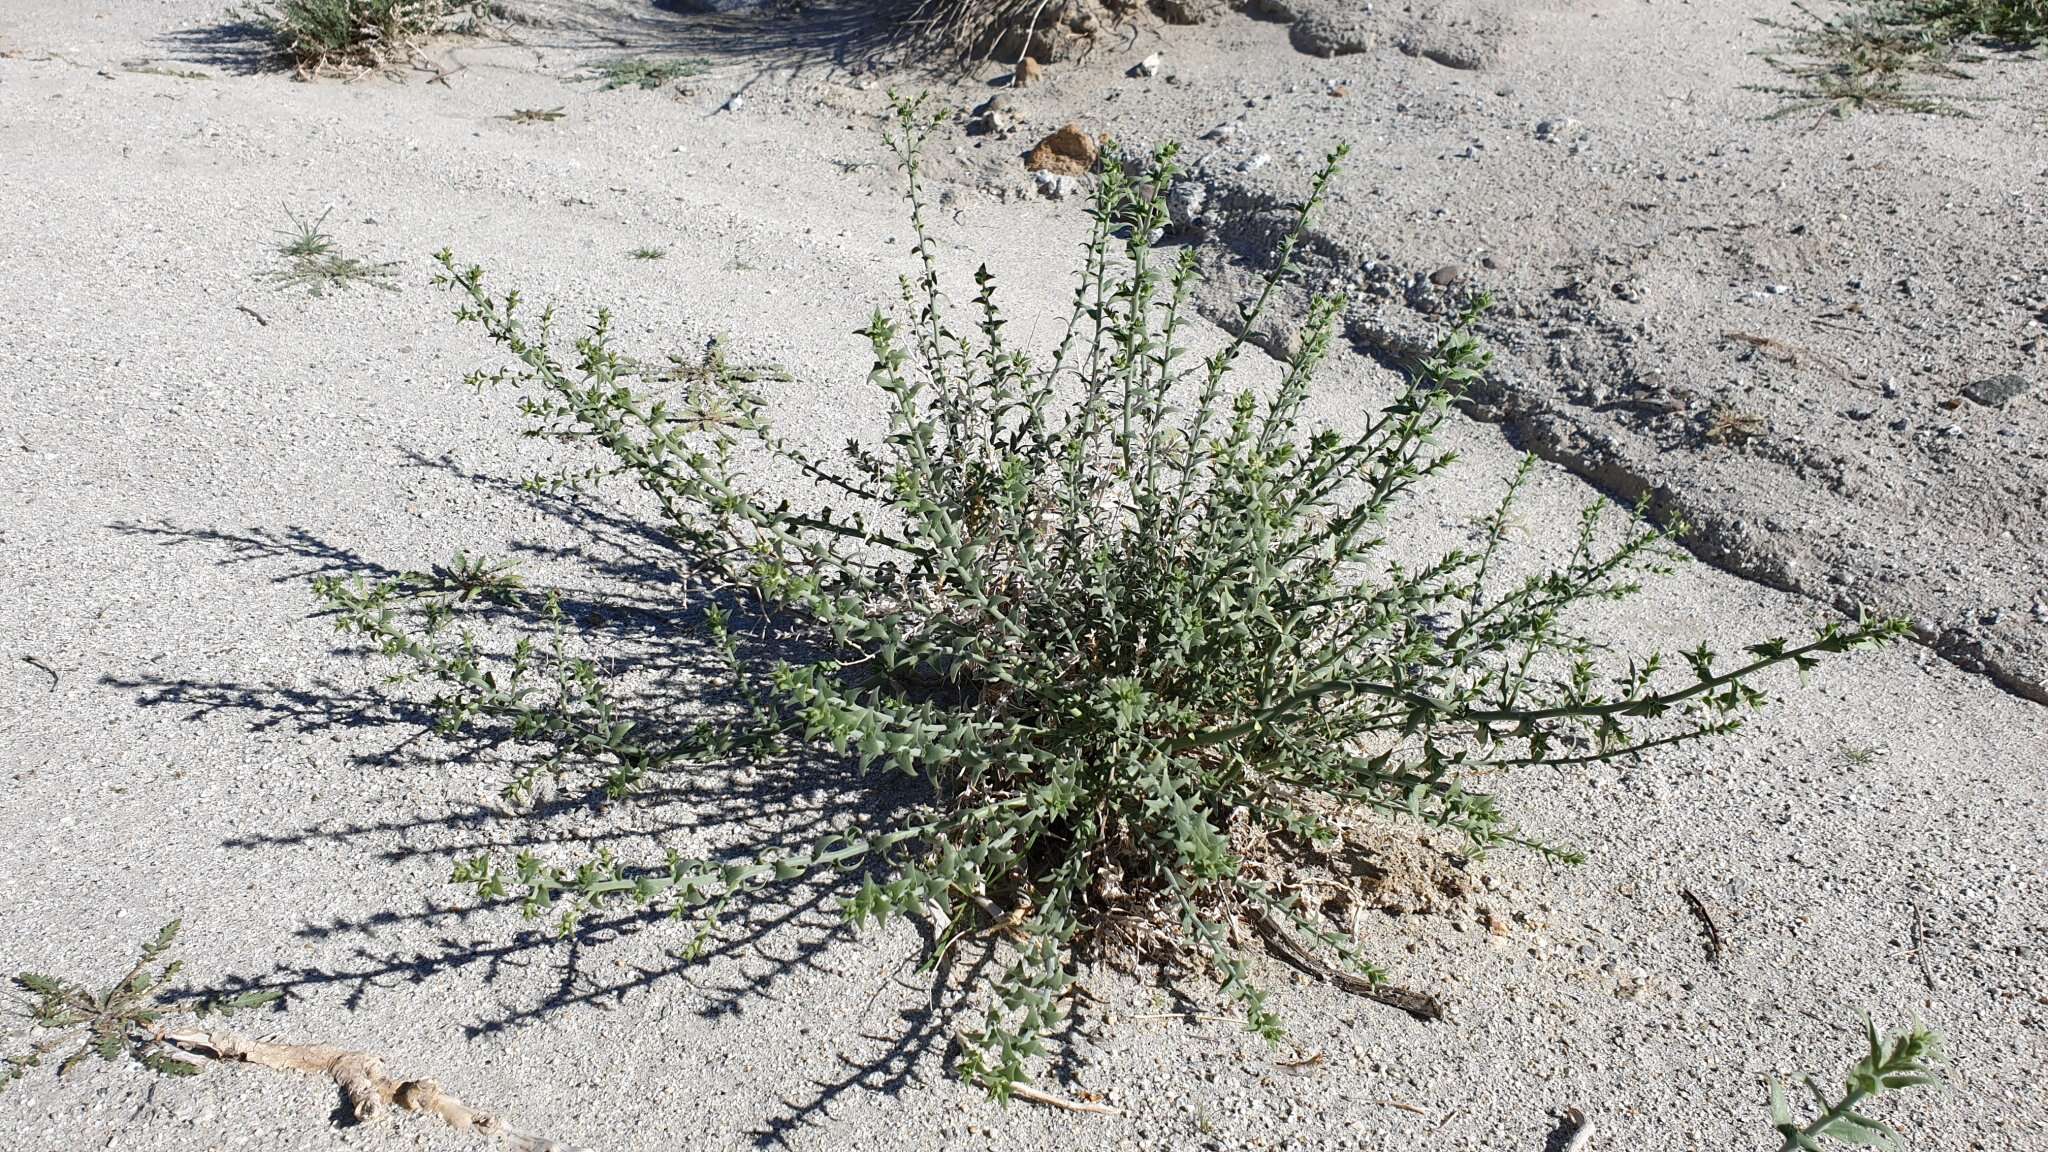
(185,445)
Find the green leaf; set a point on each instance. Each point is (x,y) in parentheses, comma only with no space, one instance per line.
(1862,1131)
(169,1065)
(1781,1112)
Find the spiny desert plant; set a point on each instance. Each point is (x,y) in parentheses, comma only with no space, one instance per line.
(311,262)
(1905,1059)
(1136,628)
(321,34)
(123,1019)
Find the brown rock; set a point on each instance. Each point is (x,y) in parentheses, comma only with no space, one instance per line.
(1447,275)
(1028,72)
(1324,34)
(1067,152)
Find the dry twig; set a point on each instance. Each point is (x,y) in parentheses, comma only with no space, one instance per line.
(1403,1105)
(1582,1131)
(1301,1063)
(1027,1092)
(1420,1005)
(36,662)
(363,1081)
(1699,909)
(1920,948)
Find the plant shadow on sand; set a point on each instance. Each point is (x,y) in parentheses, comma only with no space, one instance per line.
(755,809)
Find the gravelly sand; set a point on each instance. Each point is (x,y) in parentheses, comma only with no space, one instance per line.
(180,468)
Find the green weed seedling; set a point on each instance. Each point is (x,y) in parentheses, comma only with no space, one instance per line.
(311,262)
(1909,1058)
(124,1019)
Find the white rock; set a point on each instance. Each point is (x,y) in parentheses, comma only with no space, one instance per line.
(1054,186)
(1149,66)
(1184,202)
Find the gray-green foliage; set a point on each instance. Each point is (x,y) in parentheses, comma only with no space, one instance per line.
(311,262)
(1134,626)
(1878,55)
(1893,1062)
(318,34)
(647,71)
(123,1019)
(2019,23)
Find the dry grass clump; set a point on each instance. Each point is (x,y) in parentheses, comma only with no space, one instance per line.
(324,35)
(1009,30)
(2020,23)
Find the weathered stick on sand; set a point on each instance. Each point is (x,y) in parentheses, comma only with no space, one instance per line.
(362,1079)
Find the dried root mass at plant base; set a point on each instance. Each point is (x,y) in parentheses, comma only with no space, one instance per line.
(1135,628)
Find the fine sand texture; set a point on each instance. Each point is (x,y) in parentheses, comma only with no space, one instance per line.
(186,441)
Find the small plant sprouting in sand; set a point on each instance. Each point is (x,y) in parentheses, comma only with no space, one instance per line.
(1727,424)
(534,115)
(311,262)
(135,1018)
(2010,23)
(648,253)
(1905,1059)
(1132,625)
(322,35)
(713,369)
(647,71)
(303,241)
(1863,58)
(1876,55)
(123,1019)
